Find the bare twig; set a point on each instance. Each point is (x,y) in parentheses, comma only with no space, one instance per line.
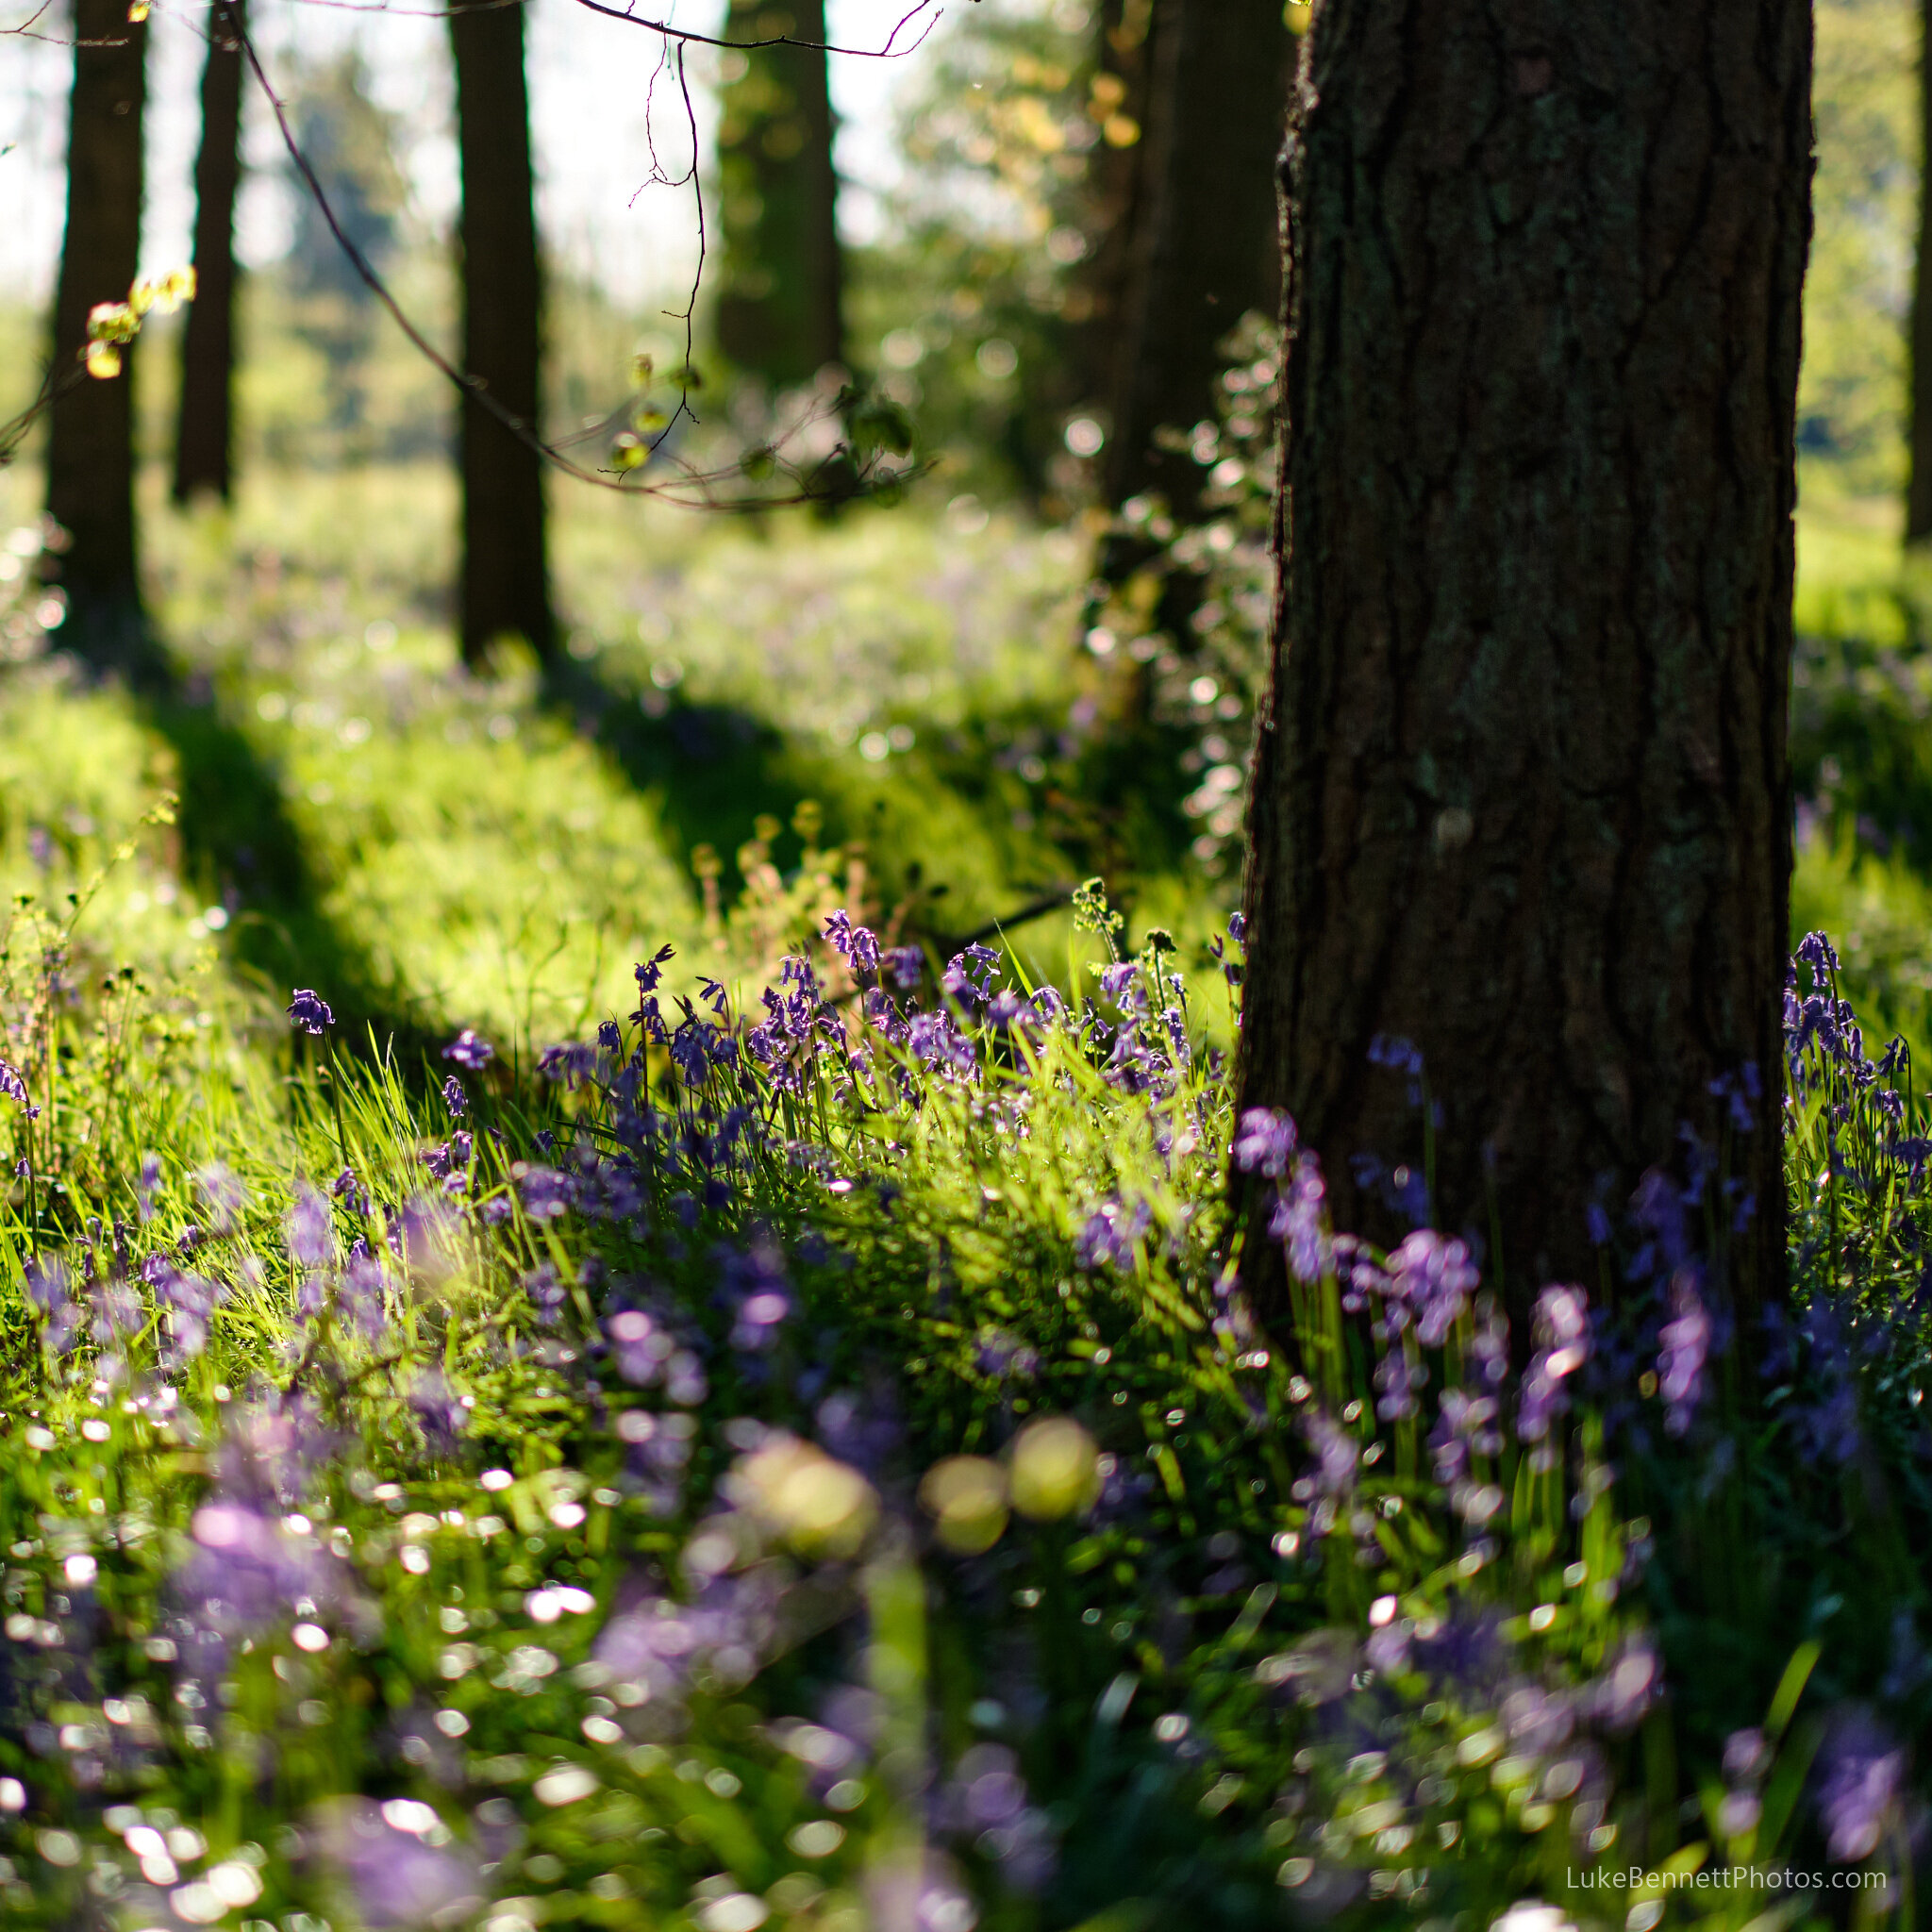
(891,50)
(705,485)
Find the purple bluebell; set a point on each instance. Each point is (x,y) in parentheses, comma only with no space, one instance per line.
(1397,1380)
(1432,1276)
(651,972)
(902,967)
(470,1051)
(15,1088)
(224,1194)
(1265,1142)
(310,1011)
(570,1064)
(1628,1685)
(1112,1234)
(546,1292)
(395,1877)
(546,1193)
(1684,1348)
(970,976)
(1300,1221)
(454,1098)
(1860,1790)
(50,1291)
(311,1239)
(1562,1341)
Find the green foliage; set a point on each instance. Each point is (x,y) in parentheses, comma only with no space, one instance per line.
(1858,288)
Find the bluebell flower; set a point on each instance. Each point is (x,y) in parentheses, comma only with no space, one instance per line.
(310,1011)
(902,967)
(311,1241)
(470,1050)
(147,1183)
(15,1088)
(1861,1785)
(1398,1055)
(1300,1221)
(1815,951)
(395,1877)
(1433,1277)
(1685,1349)
(970,976)
(49,1289)
(651,972)
(454,1097)
(359,1292)
(570,1064)
(1562,1341)
(1112,1235)
(1264,1143)
(223,1193)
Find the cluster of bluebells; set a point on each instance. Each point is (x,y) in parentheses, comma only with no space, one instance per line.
(1415,1301)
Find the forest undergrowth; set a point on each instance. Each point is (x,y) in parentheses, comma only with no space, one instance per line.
(798,1453)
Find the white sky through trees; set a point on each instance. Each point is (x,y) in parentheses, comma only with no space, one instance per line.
(587,75)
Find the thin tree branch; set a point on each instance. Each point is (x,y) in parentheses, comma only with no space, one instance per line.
(473,388)
(889,51)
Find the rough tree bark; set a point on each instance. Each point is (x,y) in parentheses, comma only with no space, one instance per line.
(1203,246)
(782,278)
(90,442)
(1919,429)
(1521,791)
(204,431)
(504,590)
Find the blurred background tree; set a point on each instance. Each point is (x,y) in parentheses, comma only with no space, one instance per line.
(504,587)
(205,420)
(90,442)
(780,272)
(353,144)
(1199,240)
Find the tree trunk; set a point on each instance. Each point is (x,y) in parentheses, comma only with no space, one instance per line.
(1203,242)
(506,589)
(90,444)
(780,288)
(1919,430)
(1521,792)
(203,433)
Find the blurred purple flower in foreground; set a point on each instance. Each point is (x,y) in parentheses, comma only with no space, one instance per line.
(395,1877)
(1864,1772)
(470,1050)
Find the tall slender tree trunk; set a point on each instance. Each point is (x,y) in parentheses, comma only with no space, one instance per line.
(1919,430)
(90,443)
(1203,242)
(781,280)
(204,431)
(506,587)
(1521,793)
(1123,57)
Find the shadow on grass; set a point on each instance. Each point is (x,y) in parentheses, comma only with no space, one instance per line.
(710,768)
(967,833)
(235,831)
